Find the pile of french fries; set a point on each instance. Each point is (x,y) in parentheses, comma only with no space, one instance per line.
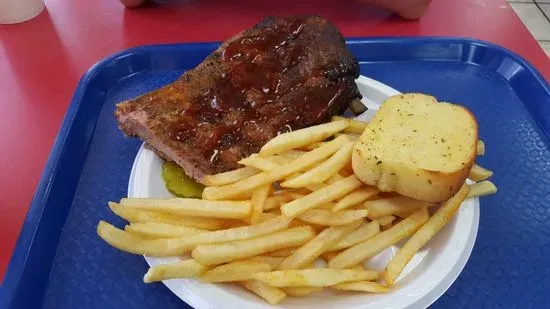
(270,225)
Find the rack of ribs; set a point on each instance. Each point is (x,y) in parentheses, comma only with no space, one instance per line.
(283,74)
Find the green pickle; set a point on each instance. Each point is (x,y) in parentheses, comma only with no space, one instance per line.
(178,183)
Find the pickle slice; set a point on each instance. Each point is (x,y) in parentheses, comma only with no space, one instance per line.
(178,183)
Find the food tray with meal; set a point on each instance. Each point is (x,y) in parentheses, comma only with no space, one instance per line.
(286,168)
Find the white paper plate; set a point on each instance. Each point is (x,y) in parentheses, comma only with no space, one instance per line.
(427,277)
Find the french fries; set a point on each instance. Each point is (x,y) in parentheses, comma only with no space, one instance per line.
(358,196)
(178,246)
(335,178)
(290,155)
(229,177)
(327,256)
(248,184)
(358,267)
(134,244)
(316,277)
(258,201)
(260,163)
(480,148)
(322,196)
(183,269)
(264,226)
(275,201)
(355,126)
(282,252)
(191,207)
(362,286)
(161,230)
(302,137)
(134,215)
(352,136)
(433,225)
(328,217)
(326,206)
(406,214)
(347,171)
(235,271)
(266,216)
(364,232)
(265,164)
(273,261)
(323,171)
(300,291)
(311,250)
(294,195)
(386,220)
(227,252)
(312,146)
(478,173)
(276,224)
(482,188)
(391,206)
(367,249)
(271,294)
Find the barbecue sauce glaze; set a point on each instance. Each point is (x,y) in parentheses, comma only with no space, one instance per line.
(243,100)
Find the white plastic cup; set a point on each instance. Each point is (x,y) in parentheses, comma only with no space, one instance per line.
(18,11)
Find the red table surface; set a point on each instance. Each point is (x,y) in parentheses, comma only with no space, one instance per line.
(42,60)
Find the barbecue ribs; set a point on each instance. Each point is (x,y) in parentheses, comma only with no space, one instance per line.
(283,74)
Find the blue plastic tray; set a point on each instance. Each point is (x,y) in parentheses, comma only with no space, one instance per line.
(59,262)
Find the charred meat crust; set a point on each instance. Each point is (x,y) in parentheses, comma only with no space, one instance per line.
(283,74)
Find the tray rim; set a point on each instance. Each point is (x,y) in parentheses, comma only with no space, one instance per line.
(27,236)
